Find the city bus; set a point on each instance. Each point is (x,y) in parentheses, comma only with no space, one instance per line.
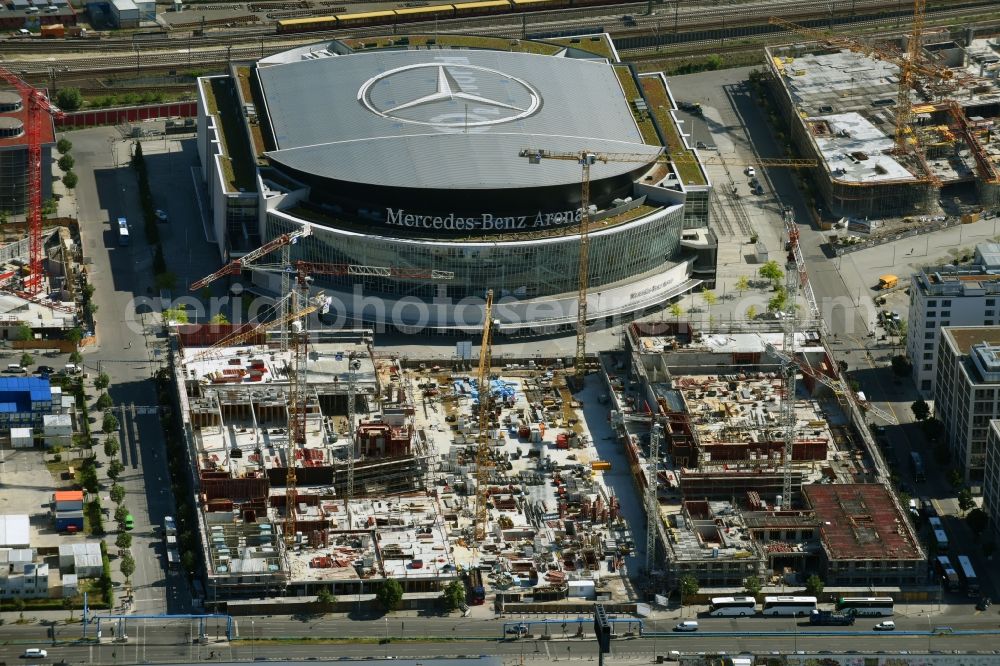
(732,606)
(789,606)
(866,606)
(969,575)
(917,466)
(946,572)
(122,231)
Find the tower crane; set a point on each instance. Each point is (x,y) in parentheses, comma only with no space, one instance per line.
(38,106)
(586,159)
(485,413)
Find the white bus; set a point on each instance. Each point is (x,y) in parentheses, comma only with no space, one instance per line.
(969,574)
(789,606)
(866,606)
(732,606)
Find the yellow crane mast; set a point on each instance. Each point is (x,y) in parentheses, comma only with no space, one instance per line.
(485,414)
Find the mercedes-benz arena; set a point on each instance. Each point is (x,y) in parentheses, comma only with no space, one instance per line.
(415,158)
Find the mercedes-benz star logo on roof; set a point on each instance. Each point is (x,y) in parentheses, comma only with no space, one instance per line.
(455,100)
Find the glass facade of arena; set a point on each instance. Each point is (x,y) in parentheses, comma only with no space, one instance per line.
(527,269)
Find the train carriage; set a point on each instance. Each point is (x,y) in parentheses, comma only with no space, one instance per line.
(414,14)
(306,24)
(482,8)
(366,18)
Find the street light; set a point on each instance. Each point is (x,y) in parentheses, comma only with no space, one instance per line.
(253,642)
(387,637)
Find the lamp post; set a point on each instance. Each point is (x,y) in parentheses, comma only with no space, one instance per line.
(386,638)
(253,642)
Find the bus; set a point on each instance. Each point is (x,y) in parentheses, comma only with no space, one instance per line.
(866,606)
(732,606)
(946,572)
(917,466)
(122,231)
(789,606)
(969,575)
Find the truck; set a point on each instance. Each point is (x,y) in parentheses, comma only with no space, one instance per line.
(831,618)
(475,590)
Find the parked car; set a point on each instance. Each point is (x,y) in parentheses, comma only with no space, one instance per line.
(45,369)
(751,172)
(161,216)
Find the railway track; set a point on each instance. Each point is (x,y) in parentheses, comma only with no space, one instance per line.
(633,41)
(686,22)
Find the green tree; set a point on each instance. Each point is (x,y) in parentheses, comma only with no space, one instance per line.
(102,381)
(752,312)
(977,521)
(23,332)
(123,540)
(19,607)
(121,512)
(187,561)
(165,280)
(103,402)
(814,585)
(902,331)
(178,315)
(91,308)
(965,501)
(127,566)
(752,585)
(66,162)
(109,424)
(676,311)
(74,335)
(710,299)
(454,595)
(70,179)
(111,445)
(714,62)
(115,469)
(689,587)
(75,356)
(390,594)
(69,99)
(67,604)
(220,319)
(88,479)
(955,479)
(771,271)
(27,359)
(921,410)
(742,284)
(779,301)
(901,366)
(325,599)
(64,145)
(117,493)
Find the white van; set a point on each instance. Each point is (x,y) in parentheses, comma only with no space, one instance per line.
(35,652)
(71,368)
(687,625)
(15,369)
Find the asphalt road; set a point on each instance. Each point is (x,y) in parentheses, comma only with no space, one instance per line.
(120,274)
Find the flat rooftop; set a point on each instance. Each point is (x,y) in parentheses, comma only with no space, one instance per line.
(963,337)
(860,521)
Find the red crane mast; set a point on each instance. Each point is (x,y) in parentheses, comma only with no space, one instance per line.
(38,105)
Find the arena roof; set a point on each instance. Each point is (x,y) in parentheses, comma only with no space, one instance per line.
(447,119)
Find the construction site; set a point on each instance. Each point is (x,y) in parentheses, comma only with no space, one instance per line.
(901,126)
(759,469)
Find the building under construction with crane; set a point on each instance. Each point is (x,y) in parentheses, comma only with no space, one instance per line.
(727,501)
(397,471)
(486,162)
(902,126)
